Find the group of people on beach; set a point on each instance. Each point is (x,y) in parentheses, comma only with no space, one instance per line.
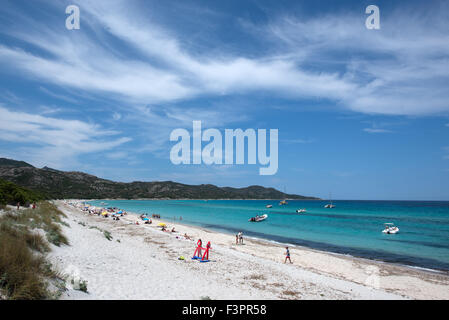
(33,206)
(239,238)
(144,217)
(165,229)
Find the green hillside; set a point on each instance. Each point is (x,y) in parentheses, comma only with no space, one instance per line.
(78,185)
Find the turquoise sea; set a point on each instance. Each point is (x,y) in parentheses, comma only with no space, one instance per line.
(353,227)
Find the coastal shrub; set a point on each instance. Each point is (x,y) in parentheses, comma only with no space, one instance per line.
(56,238)
(33,240)
(24,270)
(46,216)
(21,270)
(36,242)
(107,235)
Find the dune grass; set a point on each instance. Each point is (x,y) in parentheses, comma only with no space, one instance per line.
(24,240)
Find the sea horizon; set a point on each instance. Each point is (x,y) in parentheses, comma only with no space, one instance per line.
(279,199)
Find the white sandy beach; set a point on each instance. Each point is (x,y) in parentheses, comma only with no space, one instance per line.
(141,262)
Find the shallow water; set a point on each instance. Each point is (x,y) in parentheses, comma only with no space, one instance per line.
(353,227)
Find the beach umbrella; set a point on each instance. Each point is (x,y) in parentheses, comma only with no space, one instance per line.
(120,211)
(161,224)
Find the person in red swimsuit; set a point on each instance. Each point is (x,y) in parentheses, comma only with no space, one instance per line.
(287,255)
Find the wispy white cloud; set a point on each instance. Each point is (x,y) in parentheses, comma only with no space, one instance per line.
(400,69)
(168,73)
(50,140)
(376,130)
(45,110)
(116,116)
(11,98)
(383,126)
(117,155)
(57,96)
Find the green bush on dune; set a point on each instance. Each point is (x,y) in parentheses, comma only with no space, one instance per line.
(24,270)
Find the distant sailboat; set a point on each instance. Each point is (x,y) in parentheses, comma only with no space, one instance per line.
(283,202)
(330,205)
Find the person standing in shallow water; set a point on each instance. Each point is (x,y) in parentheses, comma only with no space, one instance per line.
(287,255)
(237,238)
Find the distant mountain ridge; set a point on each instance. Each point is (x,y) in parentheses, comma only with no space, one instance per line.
(57,184)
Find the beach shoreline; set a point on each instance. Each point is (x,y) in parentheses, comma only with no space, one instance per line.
(368,255)
(333,275)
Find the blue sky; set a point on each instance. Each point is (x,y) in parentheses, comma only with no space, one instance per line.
(361,113)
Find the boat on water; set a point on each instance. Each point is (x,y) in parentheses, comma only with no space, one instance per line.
(258,218)
(390,228)
(284,202)
(269,206)
(301,210)
(330,205)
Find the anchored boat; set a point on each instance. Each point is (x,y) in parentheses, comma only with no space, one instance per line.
(390,228)
(258,218)
(330,205)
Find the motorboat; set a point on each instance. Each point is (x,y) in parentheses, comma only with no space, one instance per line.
(283,202)
(390,228)
(301,210)
(269,206)
(258,218)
